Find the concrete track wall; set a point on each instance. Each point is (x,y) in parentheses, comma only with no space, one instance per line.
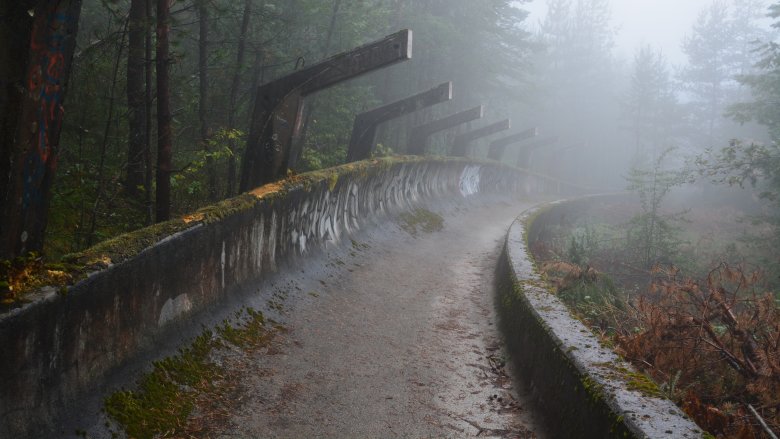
(146,283)
(581,385)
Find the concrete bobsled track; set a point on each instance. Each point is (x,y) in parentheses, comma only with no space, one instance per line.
(151,290)
(382,274)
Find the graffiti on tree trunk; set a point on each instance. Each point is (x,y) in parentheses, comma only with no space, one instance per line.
(45,83)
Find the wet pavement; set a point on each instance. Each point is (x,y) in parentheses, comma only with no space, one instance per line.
(398,339)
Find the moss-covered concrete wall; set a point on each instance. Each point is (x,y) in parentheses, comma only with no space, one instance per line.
(584,387)
(145,283)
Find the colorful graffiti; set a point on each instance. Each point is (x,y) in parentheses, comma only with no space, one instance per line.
(47,72)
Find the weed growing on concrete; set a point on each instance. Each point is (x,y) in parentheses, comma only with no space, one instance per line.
(180,390)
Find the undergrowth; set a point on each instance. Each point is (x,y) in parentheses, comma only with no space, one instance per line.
(711,342)
(23,275)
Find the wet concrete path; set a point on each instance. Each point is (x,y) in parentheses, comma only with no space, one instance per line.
(398,339)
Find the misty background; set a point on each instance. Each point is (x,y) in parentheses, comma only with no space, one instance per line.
(610,85)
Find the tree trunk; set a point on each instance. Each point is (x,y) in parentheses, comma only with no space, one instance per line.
(234,85)
(203,109)
(104,142)
(148,101)
(136,94)
(164,138)
(37,40)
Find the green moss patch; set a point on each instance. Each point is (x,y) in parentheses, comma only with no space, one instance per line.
(643,384)
(125,246)
(181,391)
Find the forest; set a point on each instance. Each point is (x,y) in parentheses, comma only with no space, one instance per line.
(120,114)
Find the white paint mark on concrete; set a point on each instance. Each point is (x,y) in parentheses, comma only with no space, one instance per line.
(469,180)
(257,238)
(222,264)
(174,308)
(272,241)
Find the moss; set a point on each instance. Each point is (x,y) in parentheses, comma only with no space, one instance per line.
(76,266)
(252,332)
(167,395)
(332,181)
(636,381)
(421,220)
(23,275)
(125,246)
(226,208)
(593,388)
(643,384)
(176,386)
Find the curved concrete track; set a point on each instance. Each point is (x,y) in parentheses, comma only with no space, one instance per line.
(400,342)
(390,335)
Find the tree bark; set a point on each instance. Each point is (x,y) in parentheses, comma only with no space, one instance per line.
(203,108)
(136,94)
(104,142)
(148,101)
(164,138)
(37,41)
(234,85)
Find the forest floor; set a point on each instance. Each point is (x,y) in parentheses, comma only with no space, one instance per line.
(397,338)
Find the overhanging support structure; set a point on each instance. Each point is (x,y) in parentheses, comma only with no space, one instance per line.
(361,144)
(498,147)
(418,138)
(276,120)
(461,147)
(523,159)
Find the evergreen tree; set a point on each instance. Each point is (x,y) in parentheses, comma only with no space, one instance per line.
(650,106)
(578,84)
(719,48)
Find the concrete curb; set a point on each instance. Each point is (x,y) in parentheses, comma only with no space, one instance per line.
(582,385)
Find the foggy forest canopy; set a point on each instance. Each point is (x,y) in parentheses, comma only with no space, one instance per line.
(608,114)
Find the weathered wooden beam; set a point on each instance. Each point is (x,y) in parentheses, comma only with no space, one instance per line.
(361,144)
(276,120)
(418,138)
(524,157)
(498,147)
(461,147)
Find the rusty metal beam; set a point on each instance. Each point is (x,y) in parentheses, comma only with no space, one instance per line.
(418,138)
(461,147)
(498,147)
(524,157)
(361,144)
(276,120)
